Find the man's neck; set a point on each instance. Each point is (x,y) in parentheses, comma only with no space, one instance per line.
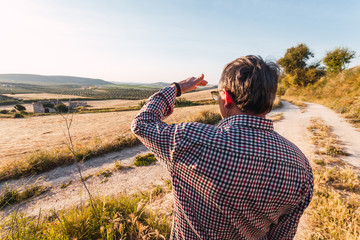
(237,111)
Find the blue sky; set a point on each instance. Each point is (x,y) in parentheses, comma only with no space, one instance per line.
(152,41)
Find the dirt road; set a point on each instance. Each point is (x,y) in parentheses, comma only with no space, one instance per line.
(293,127)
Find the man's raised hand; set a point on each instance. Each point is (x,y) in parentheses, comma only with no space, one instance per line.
(192,83)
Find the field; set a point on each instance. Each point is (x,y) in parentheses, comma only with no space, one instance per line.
(21,137)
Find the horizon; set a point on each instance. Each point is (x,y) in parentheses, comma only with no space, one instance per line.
(146,42)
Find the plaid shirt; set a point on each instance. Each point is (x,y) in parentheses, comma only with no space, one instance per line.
(237,180)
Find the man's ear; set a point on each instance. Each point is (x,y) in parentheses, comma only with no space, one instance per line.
(228,99)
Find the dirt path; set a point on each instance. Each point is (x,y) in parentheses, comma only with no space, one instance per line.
(293,127)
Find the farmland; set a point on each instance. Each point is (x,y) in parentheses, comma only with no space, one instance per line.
(21,137)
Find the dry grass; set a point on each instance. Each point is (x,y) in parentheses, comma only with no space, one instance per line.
(21,137)
(334,212)
(340,92)
(46,160)
(121,217)
(277,117)
(11,194)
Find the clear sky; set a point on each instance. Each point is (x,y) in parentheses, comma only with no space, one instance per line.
(165,40)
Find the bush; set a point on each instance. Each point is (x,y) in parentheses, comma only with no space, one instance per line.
(18,115)
(207,117)
(337,59)
(10,195)
(48,105)
(19,107)
(182,102)
(62,108)
(144,160)
(4,111)
(295,64)
(142,103)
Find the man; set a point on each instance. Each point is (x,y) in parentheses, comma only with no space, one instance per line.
(239,179)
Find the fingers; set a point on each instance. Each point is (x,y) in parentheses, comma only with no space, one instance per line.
(200,81)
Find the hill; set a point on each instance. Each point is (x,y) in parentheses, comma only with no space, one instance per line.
(340,92)
(50,80)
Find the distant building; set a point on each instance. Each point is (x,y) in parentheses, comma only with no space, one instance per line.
(49,106)
(45,106)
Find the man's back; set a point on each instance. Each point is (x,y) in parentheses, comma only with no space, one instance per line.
(236,180)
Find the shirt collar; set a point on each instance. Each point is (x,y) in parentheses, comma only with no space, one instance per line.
(248,121)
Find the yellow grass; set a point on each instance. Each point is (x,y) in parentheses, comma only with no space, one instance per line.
(334,212)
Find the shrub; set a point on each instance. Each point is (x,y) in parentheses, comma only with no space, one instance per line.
(142,103)
(19,107)
(9,195)
(337,59)
(4,111)
(207,117)
(62,108)
(48,105)
(295,64)
(182,102)
(144,160)
(18,115)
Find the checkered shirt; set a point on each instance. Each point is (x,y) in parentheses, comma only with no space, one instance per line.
(237,180)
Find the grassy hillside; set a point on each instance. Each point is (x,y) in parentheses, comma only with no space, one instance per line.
(49,80)
(340,92)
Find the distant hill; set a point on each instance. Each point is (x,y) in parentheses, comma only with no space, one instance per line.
(50,80)
(153,85)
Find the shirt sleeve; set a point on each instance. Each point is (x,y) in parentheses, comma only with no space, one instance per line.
(287,225)
(159,137)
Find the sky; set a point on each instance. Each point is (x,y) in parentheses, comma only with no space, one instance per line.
(165,40)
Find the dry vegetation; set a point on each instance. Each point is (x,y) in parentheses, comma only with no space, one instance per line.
(21,137)
(114,138)
(338,91)
(334,212)
(121,217)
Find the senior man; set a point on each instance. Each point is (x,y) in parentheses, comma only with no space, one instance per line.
(236,180)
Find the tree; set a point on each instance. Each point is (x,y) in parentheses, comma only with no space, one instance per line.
(61,108)
(19,107)
(295,66)
(336,60)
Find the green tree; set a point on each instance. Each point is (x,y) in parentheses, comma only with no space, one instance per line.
(295,66)
(19,107)
(336,60)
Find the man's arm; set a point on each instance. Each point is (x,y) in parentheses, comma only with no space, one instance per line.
(159,137)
